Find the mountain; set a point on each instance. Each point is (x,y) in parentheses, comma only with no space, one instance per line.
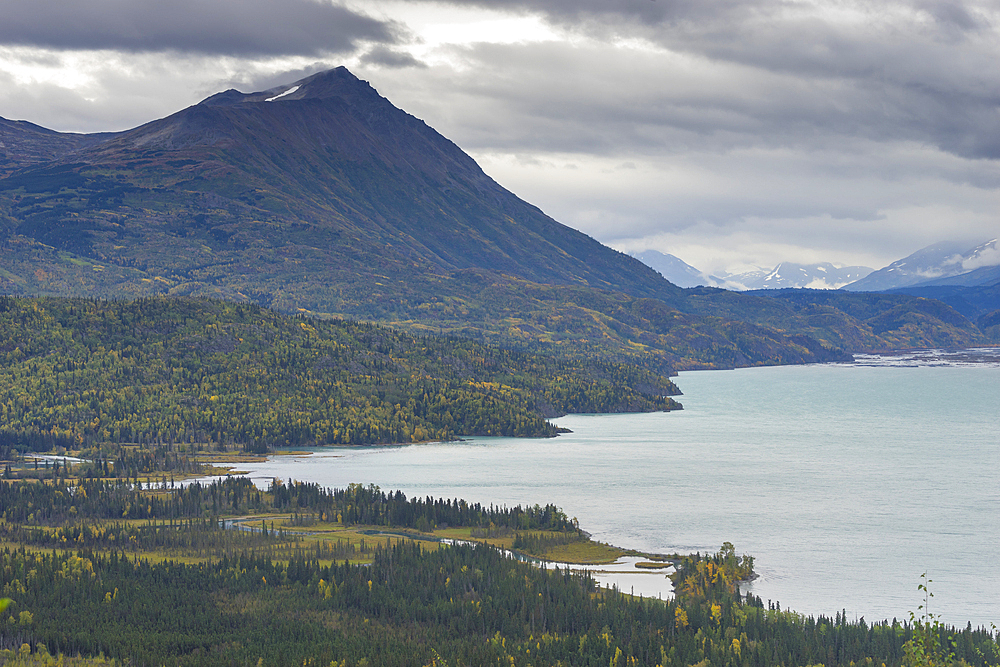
(321,197)
(980,264)
(296,172)
(974,302)
(673,268)
(789,275)
(783,276)
(24,144)
(943,263)
(966,280)
(984,276)
(740,280)
(811,276)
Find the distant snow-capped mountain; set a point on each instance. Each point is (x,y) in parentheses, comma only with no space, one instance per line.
(740,281)
(673,268)
(789,275)
(812,276)
(784,275)
(939,264)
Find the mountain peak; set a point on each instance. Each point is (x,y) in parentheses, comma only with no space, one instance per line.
(329,170)
(337,82)
(937,264)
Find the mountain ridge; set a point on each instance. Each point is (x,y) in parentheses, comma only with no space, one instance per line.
(350,147)
(23,143)
(329,200)
(672,268)
(943,263)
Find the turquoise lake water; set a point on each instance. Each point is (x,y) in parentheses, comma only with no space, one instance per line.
(845,482)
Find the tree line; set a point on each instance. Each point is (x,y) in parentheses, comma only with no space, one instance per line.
(59,503)
(455,605)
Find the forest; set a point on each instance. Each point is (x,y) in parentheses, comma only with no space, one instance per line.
(112,557)
(79,374)
(144,574)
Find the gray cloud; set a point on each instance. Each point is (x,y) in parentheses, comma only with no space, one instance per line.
(921,70)
(953,15)
(647,12)
(381,56)
(790,128)
(226,27)
(121,91)
(961,15)
(590,99)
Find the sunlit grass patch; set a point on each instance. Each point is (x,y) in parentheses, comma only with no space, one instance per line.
(585,552)
(653,566)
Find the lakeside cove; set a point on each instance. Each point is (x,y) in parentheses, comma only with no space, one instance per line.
(845,481)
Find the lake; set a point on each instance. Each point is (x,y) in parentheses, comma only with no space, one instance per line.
(844,481)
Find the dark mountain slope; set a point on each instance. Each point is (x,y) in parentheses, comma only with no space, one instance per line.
(333,167)
(868,321)
(980,304)
(24,144)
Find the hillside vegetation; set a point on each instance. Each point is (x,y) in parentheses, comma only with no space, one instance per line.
(184,371)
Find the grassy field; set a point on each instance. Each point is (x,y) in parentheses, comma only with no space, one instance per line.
(581,552)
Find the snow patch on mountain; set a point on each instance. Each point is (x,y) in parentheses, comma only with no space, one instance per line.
(987,254)
(940,263)
(280,95)
(788,275)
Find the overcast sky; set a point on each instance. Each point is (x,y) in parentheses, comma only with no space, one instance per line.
(730,133)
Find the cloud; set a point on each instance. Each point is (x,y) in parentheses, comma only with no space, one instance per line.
(987,256)
(922,71)
(762,207)
(596,98)
(868,129)
(222,27)
(381,56)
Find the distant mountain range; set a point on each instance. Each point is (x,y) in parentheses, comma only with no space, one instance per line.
(967,280)
(942,264)
(806,276)
(783,276)
(938,264)
(321,197)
